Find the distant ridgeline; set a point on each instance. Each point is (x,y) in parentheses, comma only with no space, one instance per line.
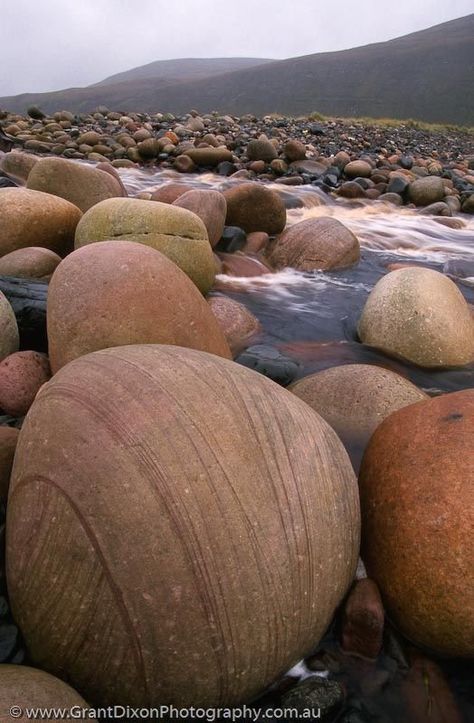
(425,75)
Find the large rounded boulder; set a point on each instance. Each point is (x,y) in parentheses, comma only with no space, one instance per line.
(9,336)
(23,688)
(419,315)
(355,398)
(119,292)
(417,486)
(317,243)
(32,262)
(253,207)
(210,206)
(426,190)
(82,185)
(18,165)
(178,233)
(33,218)
(188,515)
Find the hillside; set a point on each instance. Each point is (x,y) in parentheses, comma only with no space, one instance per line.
(183,69)
(425,75)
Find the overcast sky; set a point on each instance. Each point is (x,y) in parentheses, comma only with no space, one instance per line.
(54,44)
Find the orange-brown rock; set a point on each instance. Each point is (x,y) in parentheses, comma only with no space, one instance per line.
(8,441)
(239,325)
(253,207)
(210,206)
(239,264)
(317,243)
(78,183)
(416,485)
(33,262)
(27,688)
(33,218)
(21,376)
(169,192)
(256,242)
(120,292)
(363,620)
(188,514)
(427,695)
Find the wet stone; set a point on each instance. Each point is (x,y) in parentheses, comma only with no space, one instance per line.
(321,695)
(270,362)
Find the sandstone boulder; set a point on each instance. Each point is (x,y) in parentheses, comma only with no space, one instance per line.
(253,207)
(81,184)
(210,206)
(18,164)
(28,688)
(209,156)
(119,292)
(427,190)
(22,374)
(236,321)
(33,262)
(317,243)
(417,485)
(261,150)
(189,495)
(178,233)
(355,398)
(420,315)
(32,218)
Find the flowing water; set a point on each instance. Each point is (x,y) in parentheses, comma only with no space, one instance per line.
(312,317)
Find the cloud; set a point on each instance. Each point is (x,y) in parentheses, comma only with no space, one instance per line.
(62,43)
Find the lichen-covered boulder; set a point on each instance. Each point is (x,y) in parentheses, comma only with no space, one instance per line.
(33,218)
(188,514)
(119,292)
(82,185)
(178,233)
(32,262)
(420,315)
(23,688)
(355,398)
(417,486)
(9,336)
(317,243)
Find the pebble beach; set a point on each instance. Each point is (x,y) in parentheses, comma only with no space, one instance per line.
(237,413)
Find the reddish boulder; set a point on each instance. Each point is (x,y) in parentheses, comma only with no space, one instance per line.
(416,485)
(236,321)
(317,243)
(21,376)
(210,206)
(363,620)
